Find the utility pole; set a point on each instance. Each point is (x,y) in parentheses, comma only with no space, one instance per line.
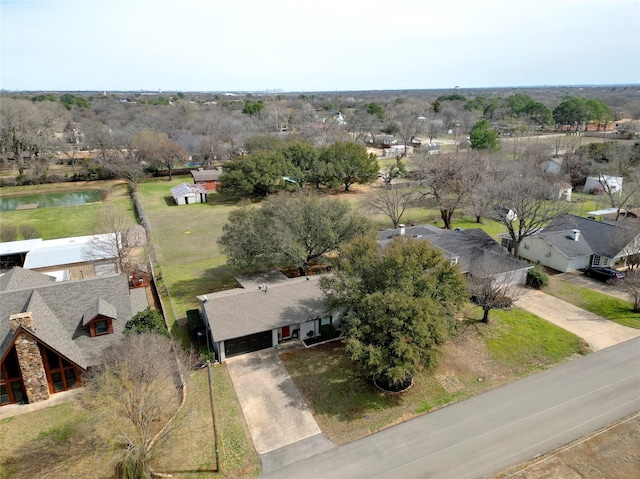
(213,417)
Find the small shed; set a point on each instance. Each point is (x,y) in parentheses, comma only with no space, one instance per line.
(186,194)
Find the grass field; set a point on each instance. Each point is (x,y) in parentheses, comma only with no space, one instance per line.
(68,220)
(347,406)
(185,241)
(609,307)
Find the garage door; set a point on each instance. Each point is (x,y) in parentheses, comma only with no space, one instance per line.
(247,344)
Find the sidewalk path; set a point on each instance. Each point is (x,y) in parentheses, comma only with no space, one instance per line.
(597,331)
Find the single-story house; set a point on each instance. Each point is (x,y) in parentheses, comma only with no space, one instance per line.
(571,242)
(595,184)
(186,194)
(51,332)
(264,311)
(209,179)
(473,250)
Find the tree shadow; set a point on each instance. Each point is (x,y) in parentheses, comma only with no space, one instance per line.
(333,386)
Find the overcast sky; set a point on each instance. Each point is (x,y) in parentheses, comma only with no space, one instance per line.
(309,45)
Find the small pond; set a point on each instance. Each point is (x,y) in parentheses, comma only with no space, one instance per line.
(52,200)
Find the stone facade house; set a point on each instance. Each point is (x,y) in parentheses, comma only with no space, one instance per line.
(51,332)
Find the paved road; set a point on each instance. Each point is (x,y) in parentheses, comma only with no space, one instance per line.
(484,435)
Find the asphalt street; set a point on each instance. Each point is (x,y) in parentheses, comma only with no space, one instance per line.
(484,435)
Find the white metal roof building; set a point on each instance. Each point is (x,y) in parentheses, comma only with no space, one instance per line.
(64,251)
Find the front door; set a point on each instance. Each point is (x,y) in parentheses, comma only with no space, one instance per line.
(285,332)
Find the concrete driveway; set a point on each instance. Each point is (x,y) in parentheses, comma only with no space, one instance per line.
(272,406)
(598,332)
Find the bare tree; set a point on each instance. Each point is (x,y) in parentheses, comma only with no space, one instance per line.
(631,285)
(27,130)
(408,124)
(490,286)
(391,202)
(110,238)
(446,178)
(524,202)
(170,155)
(133,396)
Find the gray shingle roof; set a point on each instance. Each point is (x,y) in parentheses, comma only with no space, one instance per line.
(19,278)
(605,239)
(238,312)
(564,242)
(99,307)
(475,249)
(58,309)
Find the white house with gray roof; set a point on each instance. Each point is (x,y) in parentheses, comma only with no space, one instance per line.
(50,332)
(265,311)
(572,242)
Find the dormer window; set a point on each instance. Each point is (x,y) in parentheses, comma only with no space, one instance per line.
(102,327)
(99,318)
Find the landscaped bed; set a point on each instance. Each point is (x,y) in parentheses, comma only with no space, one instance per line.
(347,406)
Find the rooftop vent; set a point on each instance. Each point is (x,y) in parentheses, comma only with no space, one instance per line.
(575,234)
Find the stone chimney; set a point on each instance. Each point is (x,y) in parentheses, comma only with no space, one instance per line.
(21,319)
(402,230)
(30,362)
(575,234)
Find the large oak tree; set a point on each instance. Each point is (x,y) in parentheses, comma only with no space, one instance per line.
(289,230)
(399,304)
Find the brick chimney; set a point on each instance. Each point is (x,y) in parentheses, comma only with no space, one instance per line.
(30,362)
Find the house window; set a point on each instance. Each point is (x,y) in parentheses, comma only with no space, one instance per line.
(325,321)
(61,374)
(596,260)
(102,327)
(10,381)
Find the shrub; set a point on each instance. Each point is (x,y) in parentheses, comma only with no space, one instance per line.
(147,321)
(537,279)
(8,233)
(194,320)
(29,232)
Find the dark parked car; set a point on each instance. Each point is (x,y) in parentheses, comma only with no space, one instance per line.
(608,275)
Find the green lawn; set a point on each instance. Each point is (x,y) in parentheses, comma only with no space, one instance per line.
(609,307)
(527,342)
(347,406)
